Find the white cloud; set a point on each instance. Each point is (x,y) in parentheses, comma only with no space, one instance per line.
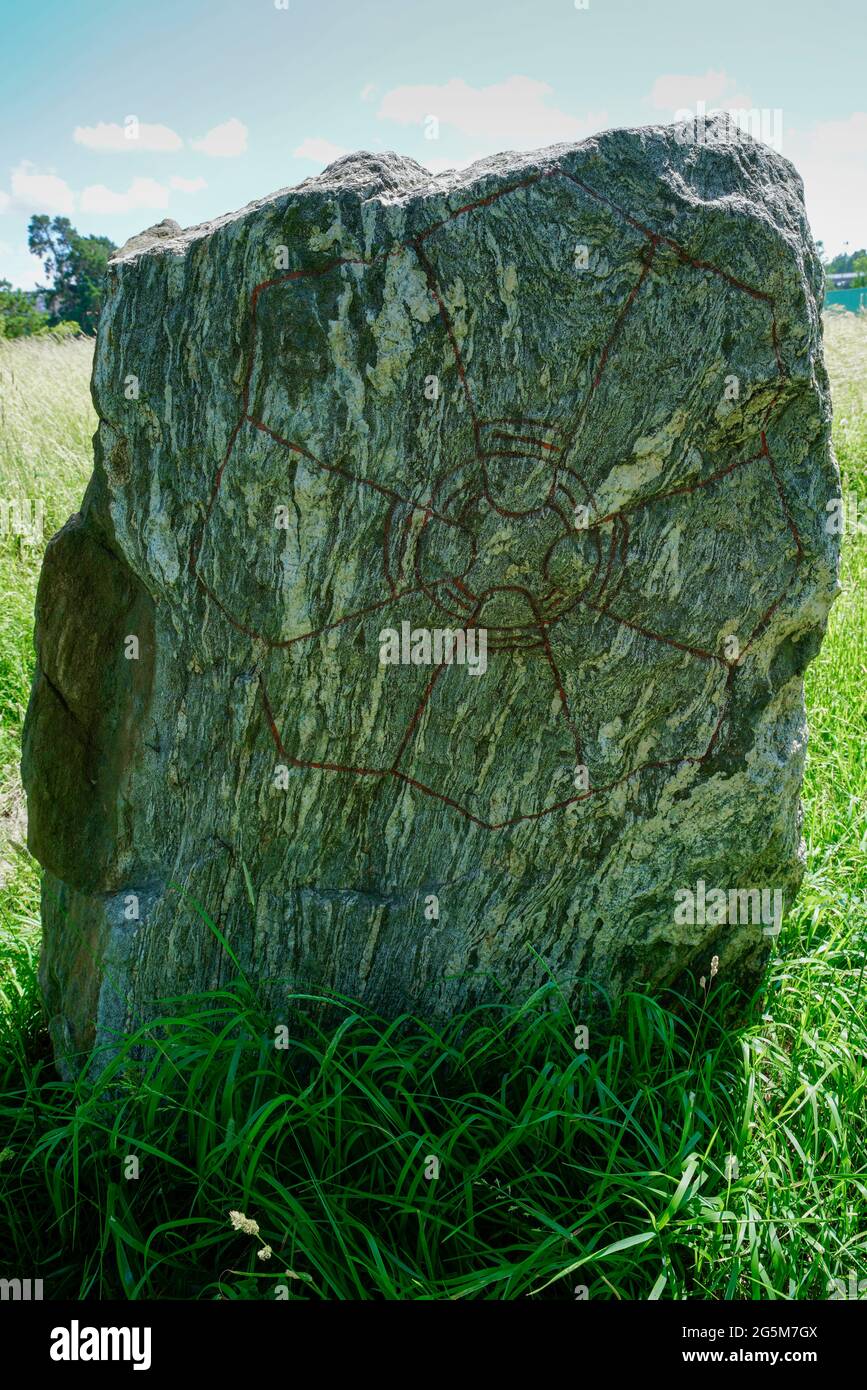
(22,269)
(320,151)
(132,135)
(187,185)
(439,166)
(831,158)
(514,112)
(368,90)
(4,201)
(224,141)
(675,92)
(142,193)
(35,192)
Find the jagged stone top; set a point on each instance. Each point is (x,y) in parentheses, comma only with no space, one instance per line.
(389,180)
(167,230)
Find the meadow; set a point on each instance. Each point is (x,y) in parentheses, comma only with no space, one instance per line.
(670,1160)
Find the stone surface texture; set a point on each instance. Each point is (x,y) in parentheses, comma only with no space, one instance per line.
(575,398)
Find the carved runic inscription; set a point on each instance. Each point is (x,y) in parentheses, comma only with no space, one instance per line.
(554,530)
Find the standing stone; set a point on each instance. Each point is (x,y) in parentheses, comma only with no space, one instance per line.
(562,417)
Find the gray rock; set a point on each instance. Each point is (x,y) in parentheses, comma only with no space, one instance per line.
(166,230)
(573,398)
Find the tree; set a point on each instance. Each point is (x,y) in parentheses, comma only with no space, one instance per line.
(859,265)
(19,313)
(843,263)
(76,264)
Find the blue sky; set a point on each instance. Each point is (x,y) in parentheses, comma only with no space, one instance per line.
(236,98)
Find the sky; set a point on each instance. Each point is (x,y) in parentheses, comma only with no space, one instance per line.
(118,114)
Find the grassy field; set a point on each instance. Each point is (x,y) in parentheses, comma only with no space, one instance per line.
(669,1161)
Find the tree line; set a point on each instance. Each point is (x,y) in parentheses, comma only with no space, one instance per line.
(848,262)
(74,267)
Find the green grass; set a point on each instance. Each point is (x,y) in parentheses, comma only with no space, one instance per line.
(669,1160)
(46,424)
